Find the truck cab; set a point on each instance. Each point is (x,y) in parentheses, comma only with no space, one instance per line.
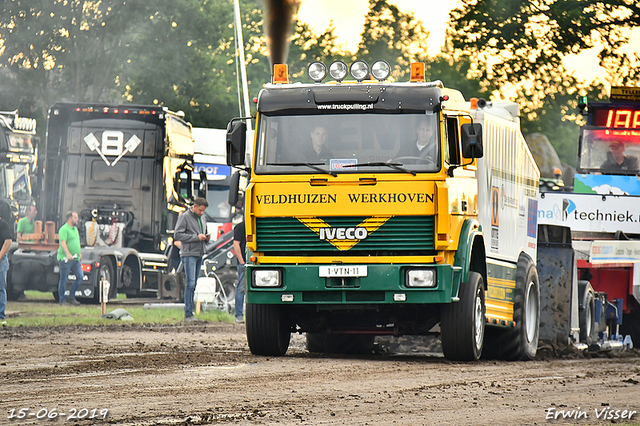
(379,207)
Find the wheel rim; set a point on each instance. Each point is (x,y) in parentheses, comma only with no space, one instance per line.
(531,314)
(479,320)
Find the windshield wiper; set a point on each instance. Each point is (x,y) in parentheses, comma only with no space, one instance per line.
(313,166)
(395,166)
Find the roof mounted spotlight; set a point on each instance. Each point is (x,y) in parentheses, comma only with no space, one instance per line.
(380,70)
(359,70)
(317,71)
(338,70)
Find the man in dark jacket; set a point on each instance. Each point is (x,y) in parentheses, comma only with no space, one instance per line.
(191,231)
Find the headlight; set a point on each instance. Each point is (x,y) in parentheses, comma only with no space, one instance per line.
(266,278)
(359,70)
(338,70)
(420,278)
(380,70)
(317,71)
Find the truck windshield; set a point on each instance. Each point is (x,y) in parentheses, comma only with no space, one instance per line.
(339,142)
(609,151)
(218,199)
(14,182)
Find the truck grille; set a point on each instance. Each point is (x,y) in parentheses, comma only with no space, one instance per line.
(399,235)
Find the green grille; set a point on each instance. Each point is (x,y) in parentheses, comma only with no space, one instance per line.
(400,234)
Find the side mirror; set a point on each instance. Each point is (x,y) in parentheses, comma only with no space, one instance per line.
(234,186)
(236,143)
(202,186)
(472,140)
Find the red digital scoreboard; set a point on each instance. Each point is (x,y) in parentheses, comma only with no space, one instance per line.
(617,117)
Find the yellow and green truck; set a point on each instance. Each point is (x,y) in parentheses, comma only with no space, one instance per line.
(360,233)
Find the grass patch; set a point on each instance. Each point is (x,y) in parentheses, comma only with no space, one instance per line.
(29,314)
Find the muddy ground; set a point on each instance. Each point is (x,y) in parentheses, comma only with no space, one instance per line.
(205,374)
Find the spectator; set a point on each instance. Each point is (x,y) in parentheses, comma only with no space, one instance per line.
(69,257)
(191,233)
(239,248)
(174,256)
(6,239)
(26,224)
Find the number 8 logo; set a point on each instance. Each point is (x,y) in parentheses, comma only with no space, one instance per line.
(112,142)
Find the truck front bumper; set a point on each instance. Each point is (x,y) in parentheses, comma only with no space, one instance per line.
(382,284)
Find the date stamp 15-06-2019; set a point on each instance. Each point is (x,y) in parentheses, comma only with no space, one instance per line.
(26,413)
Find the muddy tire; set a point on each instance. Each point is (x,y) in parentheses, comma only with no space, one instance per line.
(521,341)
(268,332)
(345,344)
(463,323)
(587,314)
(106,270)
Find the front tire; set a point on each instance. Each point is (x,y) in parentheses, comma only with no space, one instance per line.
(268,331)
(462,323)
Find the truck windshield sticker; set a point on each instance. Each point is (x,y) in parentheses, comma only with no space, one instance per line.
(343,238)
(112,145)
(347,107)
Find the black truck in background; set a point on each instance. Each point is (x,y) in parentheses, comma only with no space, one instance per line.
(18,144)
(127,171)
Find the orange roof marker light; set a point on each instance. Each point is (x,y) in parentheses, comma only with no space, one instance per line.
(417,72)
(280,74)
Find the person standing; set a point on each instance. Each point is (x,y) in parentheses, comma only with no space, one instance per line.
(239,248)
(26,225)
(69,257)
(5,239)
(191,233)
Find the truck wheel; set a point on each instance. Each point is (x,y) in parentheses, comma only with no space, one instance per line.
(105,271)
(268,333)
(587,315)
(12,294)
(462,323)
(345,344)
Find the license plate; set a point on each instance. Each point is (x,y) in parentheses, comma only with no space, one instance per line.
(343,271)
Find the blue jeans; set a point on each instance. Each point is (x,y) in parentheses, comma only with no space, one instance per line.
(192,266)
(241,289)
(72,266)
(4,267)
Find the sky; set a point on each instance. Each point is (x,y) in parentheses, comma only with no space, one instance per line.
(348,19)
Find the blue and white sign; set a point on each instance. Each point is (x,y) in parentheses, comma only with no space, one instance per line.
(214,171)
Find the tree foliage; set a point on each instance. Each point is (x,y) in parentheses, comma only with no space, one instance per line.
(522,40)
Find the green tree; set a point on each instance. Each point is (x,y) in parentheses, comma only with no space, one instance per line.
(523,40)
(389,34)
(66,49)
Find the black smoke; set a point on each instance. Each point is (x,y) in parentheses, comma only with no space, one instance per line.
(278,23)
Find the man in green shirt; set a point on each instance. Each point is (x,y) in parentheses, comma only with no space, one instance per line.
(26,224)
(69,257)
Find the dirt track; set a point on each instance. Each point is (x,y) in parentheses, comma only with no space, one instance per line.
(205,374)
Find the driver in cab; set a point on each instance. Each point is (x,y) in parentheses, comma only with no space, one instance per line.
(617,161)
(424,146)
